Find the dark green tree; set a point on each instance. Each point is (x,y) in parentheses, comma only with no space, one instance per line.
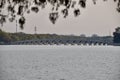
(4,37)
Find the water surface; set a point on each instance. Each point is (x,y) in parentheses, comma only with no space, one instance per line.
(59,62)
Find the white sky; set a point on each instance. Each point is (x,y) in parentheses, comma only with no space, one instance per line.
(99,19)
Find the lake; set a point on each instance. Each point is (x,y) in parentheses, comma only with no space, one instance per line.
(32,62)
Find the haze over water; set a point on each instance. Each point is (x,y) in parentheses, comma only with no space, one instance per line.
(59,62)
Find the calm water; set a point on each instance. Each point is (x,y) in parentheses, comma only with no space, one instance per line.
(59,63)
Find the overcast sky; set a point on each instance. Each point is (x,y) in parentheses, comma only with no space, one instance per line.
(99,19)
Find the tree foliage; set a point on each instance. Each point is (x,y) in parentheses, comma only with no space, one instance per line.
(15,9)
(4,37)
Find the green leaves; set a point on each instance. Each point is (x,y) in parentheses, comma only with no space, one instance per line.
(22,22)
(65,12)
(118,6)
(20,10)
(2,3)
(17,8)
(35,9)
(76,12)
(53,17)
(82,3)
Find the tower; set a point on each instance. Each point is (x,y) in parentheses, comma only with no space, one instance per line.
(16,26)
(35,30)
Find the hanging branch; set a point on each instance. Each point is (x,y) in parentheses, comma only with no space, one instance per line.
(17,8)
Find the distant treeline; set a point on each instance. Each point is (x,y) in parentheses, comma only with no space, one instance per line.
(12,37)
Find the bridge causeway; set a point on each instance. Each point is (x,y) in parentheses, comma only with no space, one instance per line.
(63,41)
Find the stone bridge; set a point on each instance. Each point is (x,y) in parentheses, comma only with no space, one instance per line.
(63,41)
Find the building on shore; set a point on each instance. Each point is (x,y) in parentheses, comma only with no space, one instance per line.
(116,38)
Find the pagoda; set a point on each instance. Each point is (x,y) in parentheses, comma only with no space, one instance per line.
(116,38)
